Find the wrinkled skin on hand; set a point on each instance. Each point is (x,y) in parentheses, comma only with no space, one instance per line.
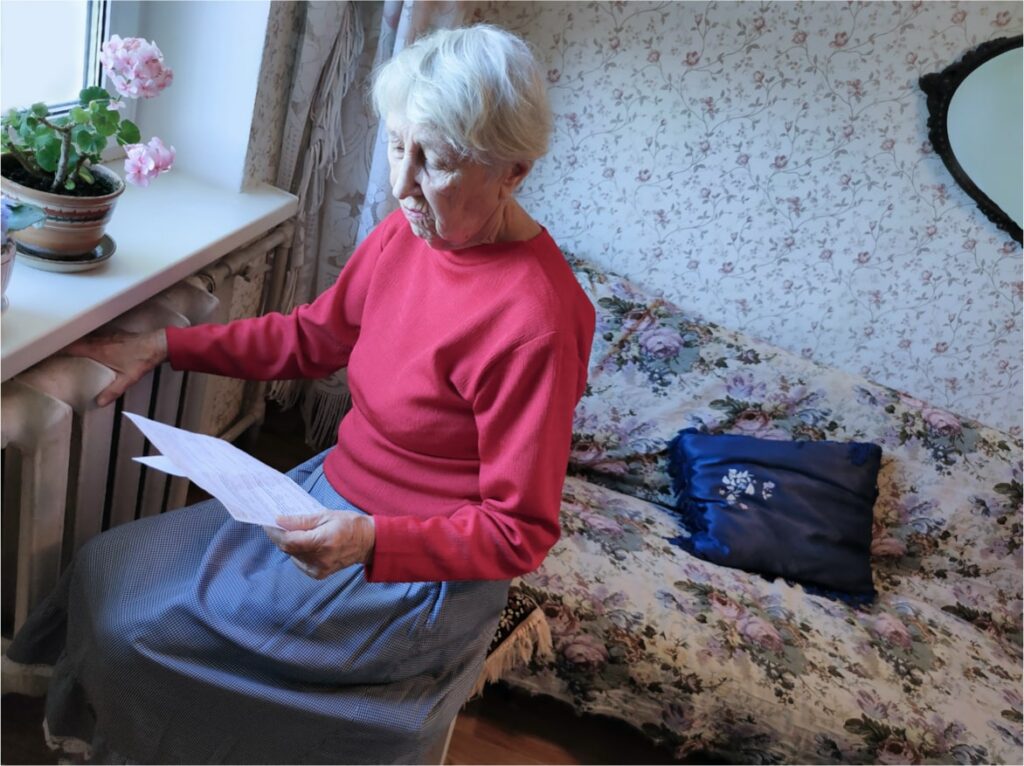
(129,355)
(324,543)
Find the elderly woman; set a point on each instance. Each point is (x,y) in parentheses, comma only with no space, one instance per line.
(354,635)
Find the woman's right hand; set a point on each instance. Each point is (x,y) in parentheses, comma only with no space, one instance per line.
(129,355)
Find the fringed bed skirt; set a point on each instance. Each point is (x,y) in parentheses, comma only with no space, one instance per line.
(523,636)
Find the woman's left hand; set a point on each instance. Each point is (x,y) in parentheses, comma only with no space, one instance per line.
(321,544)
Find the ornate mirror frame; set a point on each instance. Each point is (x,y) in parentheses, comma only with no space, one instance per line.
(940,87)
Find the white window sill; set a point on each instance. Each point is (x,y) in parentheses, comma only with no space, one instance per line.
(164,233)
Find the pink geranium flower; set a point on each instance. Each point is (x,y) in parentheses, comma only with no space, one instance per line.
(146,161)
(135,67)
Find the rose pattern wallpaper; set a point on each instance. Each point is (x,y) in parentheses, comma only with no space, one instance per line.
(766,166)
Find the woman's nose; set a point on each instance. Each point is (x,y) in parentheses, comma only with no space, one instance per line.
(405,179)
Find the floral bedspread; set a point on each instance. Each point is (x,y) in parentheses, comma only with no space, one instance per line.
(717,660)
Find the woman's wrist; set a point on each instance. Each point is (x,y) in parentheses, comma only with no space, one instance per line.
(157,345)
(367,532)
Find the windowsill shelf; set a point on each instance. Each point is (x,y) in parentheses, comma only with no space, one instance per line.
(163,233)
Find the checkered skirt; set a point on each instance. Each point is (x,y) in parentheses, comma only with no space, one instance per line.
(190,638)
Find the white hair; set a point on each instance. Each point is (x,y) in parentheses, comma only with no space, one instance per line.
(480,87)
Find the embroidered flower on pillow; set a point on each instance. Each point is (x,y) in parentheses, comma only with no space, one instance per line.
(737,483)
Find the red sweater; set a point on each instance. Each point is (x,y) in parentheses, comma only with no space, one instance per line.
(464,367)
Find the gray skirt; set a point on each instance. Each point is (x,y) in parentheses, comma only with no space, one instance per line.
(190,638)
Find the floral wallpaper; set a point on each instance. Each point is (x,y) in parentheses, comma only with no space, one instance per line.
(767,166)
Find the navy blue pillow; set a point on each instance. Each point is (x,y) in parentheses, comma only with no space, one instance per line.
(799,510)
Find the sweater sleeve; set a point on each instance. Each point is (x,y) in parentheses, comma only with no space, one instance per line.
(311,342)
(523,409)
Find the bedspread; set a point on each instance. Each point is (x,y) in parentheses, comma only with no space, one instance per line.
(716,660)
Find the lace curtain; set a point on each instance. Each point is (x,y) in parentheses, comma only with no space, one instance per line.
(315,134)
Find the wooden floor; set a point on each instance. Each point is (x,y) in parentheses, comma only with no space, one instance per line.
(506,726)
(503,726)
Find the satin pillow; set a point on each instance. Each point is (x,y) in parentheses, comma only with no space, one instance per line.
(800,510)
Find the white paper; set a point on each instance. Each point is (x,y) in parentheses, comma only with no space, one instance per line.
(251,491)
(161,463)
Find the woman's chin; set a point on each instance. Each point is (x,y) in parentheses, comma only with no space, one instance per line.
(425,230)
(429,236)
(421,226)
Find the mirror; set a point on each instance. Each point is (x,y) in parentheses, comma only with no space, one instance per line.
(975,124)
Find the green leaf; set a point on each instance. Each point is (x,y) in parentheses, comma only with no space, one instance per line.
(86,175)
(44,139)
(93,93)
(128,133)
(49,156)
(40,131)
(106,123)
(79,115)
(15,140)
(87,141)
(69,184)
(81,134)
(39,109)
(12,118)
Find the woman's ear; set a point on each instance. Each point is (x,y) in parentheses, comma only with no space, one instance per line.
(517,172)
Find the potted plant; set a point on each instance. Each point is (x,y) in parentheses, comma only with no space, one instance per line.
(53,162)
(15,217)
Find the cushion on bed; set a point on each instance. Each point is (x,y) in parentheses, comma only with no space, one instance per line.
(800,510)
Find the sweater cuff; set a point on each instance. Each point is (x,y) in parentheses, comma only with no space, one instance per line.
(398,552)
(388,545)
(178,353)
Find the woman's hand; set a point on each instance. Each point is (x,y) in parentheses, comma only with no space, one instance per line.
(321,544)
(130,355)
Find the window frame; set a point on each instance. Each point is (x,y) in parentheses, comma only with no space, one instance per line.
(105,18)
(97,25)
(97,22)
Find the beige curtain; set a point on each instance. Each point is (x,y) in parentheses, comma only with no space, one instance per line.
(329,149)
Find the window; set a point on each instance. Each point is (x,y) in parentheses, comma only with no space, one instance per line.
(49,51)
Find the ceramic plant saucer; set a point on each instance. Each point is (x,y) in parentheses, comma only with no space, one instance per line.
(96,257)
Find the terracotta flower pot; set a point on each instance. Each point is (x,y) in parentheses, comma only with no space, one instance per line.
(74,226)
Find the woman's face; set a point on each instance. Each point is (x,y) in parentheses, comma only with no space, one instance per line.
(449,201)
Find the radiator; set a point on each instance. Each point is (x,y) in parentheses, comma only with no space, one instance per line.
(68,472)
